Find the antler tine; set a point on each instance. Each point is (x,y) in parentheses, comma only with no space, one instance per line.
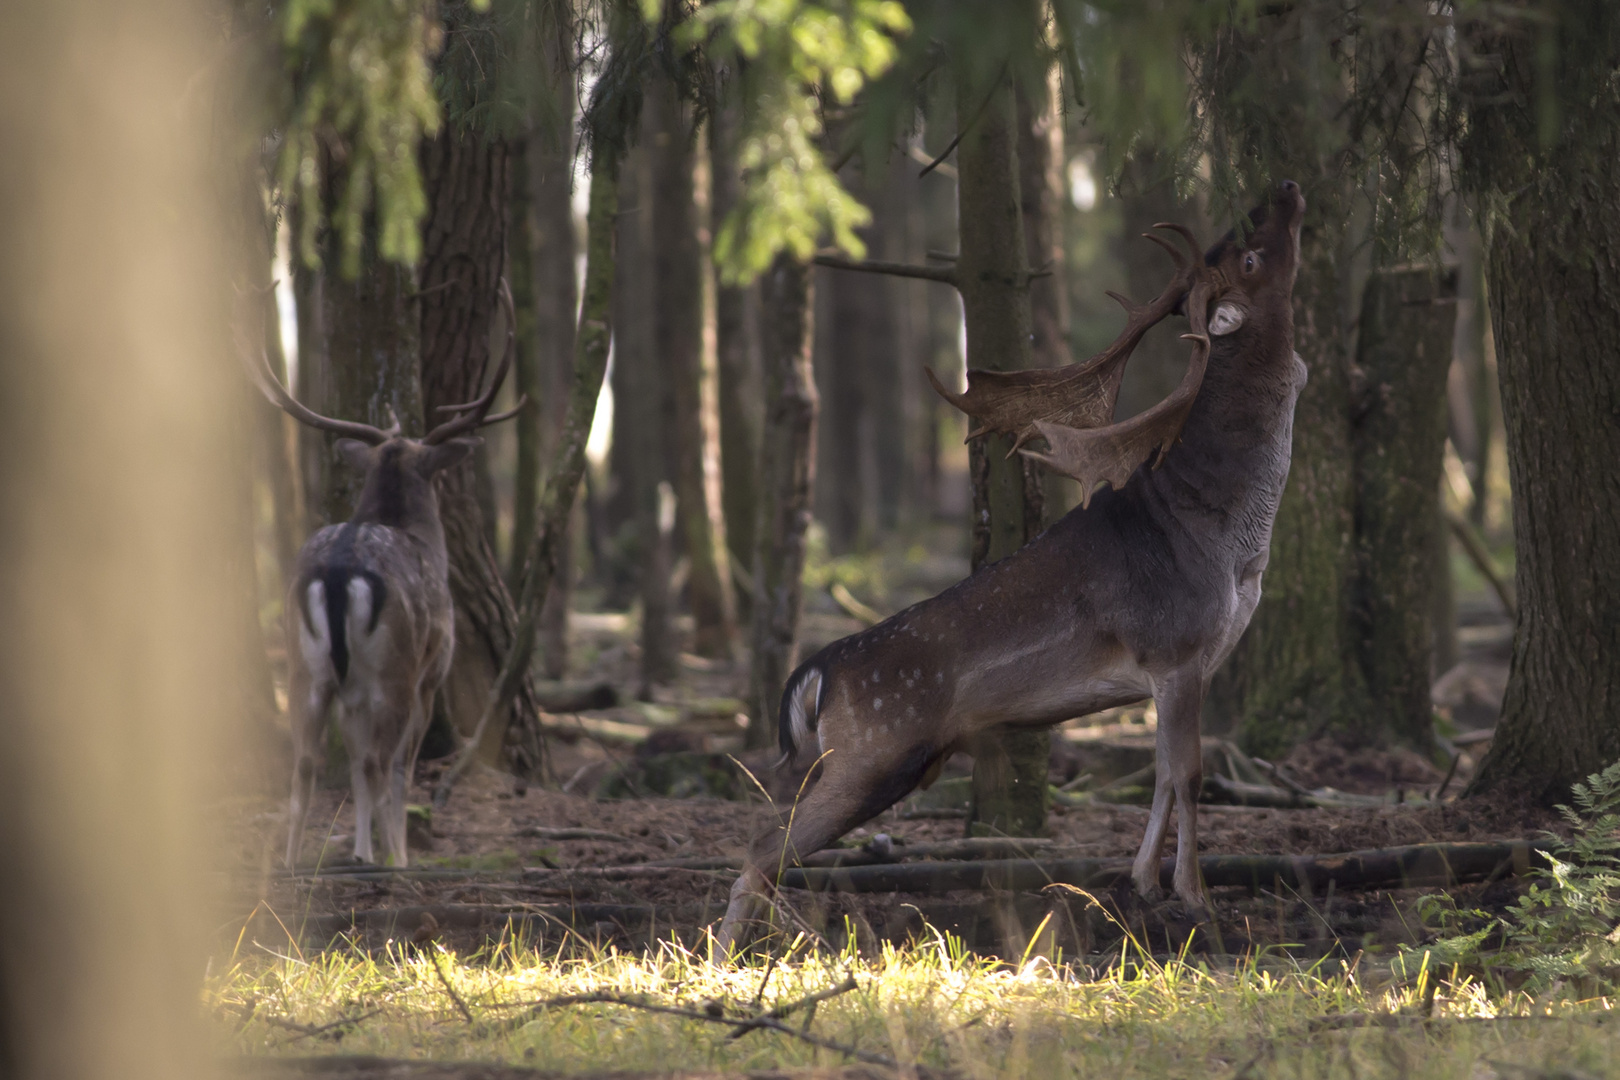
(1175,253)
(474,414)
(262,376)
(1186,235)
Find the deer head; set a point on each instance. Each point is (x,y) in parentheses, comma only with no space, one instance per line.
(1232,291)
(398,488)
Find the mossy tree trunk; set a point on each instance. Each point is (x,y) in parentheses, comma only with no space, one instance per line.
(787,473)
(1544,138)
(1009,770)
(1407,326)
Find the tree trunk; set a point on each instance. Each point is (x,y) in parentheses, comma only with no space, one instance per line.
(1556,318)
(737,355)
(843,336)
(678,287)
(787,483)
(1040,173)
(464,254)
(640,423)
(1407,326)
(1009,770)
(547,227)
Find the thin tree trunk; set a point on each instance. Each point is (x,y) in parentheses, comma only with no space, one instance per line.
(1555,316)
(1041,189)
(1009,771)
(678,317)
(464,255)
(640,423)
(737,356)
(1407,325)
(787,483)
(543,549)
(842,338)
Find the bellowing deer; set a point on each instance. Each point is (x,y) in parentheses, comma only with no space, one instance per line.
(369,618)
(1142,591)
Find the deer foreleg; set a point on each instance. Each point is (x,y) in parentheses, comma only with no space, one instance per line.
(1145,871)
(1180,710)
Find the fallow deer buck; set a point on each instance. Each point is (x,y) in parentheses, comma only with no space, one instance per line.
(369,617)
(1142,591)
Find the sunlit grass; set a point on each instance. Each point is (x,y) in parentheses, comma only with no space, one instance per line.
(930,1004)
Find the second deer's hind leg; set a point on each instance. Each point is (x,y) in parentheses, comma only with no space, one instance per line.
(852,789)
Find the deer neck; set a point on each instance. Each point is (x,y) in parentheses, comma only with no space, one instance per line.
(398,498)
(1232,460)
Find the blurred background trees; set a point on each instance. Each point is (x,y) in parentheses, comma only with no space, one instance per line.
(812,196)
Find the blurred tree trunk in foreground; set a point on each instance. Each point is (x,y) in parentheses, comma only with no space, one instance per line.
(123,419)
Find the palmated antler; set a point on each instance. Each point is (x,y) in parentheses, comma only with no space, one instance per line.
(1078,395)
(474,414)
(1112,452)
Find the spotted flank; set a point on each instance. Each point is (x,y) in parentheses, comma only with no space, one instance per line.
(801,707)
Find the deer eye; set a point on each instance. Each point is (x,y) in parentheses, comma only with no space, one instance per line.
(1250,263)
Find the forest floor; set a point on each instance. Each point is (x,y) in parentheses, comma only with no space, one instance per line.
(536,927)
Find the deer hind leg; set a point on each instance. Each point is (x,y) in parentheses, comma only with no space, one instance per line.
(852,789)
(308,703)
(401,767)
(366,779)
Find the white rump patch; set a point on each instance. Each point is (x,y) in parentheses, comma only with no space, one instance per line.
(317,642)
(1228,317)
(804,706)
(360,602)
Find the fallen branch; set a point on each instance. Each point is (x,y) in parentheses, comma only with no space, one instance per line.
(308,1031)
(541,833)
(780,1011)
(1435,865)
(565,697)
(744,1024)
(853,607)
(461,1006)
(1474,546)
(895,269)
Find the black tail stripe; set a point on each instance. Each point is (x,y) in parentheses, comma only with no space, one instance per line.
(337,617)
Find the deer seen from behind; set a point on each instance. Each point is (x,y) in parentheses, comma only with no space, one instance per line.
(370,624)
(1142,591)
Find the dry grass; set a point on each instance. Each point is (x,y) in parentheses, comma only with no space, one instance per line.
(931,1005)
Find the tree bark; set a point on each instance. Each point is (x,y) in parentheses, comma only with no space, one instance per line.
(737,353)
(464,255)
(678,330)
(547,199)
(787,475)
(1407,326)
(640,456)
(1041,185)
(1009,770)
(1555,316)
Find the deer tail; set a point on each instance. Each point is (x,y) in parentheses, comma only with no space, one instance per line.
(801,708)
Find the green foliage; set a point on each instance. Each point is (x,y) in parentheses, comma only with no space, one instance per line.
(787,53)
(1566,927)
(361,98)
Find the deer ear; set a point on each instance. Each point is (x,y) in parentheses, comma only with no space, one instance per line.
(356,454)
(1227,318)
(448,453)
